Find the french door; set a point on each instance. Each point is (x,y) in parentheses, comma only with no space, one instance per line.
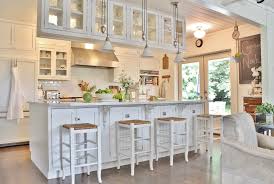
(207,78)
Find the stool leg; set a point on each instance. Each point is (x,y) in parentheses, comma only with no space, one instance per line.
(196,134)
(132,158)
(187,140)
(211,138)
(99,150)
(137,144)
(151,147)
(118,145)
(72,156)
(157,125)
(171,142)
(86,153)
(61,153)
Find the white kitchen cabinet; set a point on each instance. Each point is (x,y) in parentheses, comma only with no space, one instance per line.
(65,15)
(17,36)
(167,31)
(135,22)
(118,20)
(118,114)
(97,17)
(181,30)
(153,28)
(54,59)
(68,116)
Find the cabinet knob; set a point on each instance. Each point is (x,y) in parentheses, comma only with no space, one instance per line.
(193,111)
(164,113)
(127,116)
(77,119)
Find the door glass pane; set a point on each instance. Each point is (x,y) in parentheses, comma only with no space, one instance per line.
(61,63)
(77,14)
(118,20)
(99,15)
(219,88)
(152,27)
(191,81)
(55,12)
(167,30)
(137,25)
(45,62)
(179,30)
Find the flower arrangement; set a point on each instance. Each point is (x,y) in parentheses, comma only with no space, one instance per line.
(86,89)
(126,83)
(85,86)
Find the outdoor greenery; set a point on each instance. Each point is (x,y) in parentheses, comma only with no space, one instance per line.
(191,89)
(219,81)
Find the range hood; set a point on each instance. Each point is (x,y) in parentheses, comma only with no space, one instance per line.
(93,58)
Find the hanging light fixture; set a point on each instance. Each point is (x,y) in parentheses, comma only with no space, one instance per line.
(199,33)
(179,56)
(105,28)
(147,52)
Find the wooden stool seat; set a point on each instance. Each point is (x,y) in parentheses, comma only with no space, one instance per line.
(170,119)
(209,115)
(81,126)
(135,122)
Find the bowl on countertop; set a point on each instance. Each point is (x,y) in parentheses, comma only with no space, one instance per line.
(105,97)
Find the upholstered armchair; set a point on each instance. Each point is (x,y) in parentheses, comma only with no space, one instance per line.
(247,157)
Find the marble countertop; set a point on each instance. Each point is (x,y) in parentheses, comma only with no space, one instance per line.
(114,103)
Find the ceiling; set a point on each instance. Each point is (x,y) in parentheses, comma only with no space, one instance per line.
(195,13)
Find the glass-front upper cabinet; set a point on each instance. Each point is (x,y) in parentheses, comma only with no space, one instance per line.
(136,25)
(181,29)
(152,27)
(77,15)
(61,64)
(167,31)
(55,13)
(99,14)
(45,62)
(118,20)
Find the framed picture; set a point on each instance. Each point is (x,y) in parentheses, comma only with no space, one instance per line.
(250,48)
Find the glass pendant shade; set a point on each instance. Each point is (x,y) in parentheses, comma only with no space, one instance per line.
(179,58)
(107,45)
(147,52)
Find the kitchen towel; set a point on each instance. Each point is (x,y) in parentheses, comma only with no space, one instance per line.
(16,99)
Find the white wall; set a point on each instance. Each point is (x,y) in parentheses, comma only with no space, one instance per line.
(219,41)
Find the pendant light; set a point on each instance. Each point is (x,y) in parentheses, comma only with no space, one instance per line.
(179,56)
(105,28)
(147,53)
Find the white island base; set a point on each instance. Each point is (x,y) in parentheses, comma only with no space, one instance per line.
(46,120)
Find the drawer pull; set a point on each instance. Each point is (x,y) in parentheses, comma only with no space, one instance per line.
(77,119)
(127,116)
(164,113)
(193,111)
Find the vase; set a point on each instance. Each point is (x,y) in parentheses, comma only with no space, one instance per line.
(126,96)
(87,97)
(269,118)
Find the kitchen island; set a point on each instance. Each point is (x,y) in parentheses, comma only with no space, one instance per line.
(46,120)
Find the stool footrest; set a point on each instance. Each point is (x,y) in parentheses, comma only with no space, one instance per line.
(86,165)
(86,149)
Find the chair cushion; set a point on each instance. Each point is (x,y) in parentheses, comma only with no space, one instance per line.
(240,127)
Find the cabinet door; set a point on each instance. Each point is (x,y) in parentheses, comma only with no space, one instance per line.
(6,35)
(136,24)
(118,114)
(58,118)
(98,14)
(46,58)
(62,64)
(118,20)
(87,115)
(77,15)
(167,31)
(152,28)
(55,14)
(24,37)
(181,30)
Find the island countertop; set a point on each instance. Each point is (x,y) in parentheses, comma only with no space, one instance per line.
(114,103)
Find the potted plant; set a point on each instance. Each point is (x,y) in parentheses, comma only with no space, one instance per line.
(86,90)
(267,110)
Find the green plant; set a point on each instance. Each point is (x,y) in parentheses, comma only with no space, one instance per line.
(265,108)
(118,96)
(103,91)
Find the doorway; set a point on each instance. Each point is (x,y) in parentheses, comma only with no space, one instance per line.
(207,78)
